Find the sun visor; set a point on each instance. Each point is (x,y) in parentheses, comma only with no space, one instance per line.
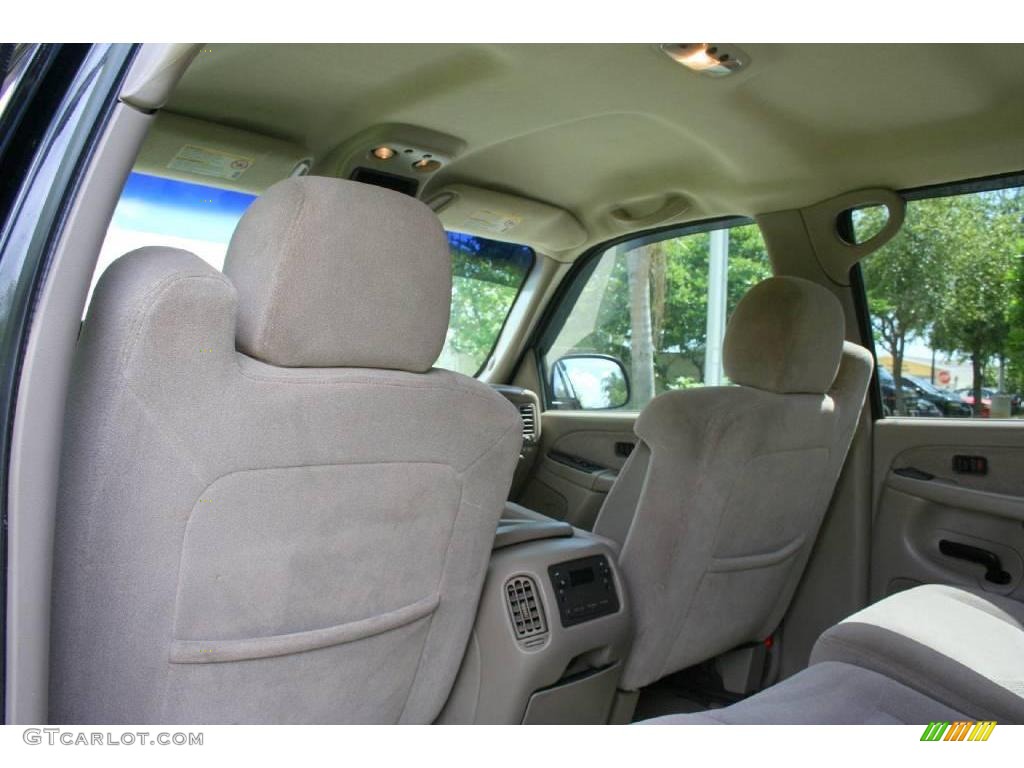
(498,216)
(208,153)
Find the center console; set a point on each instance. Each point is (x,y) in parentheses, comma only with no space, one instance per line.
(552,629)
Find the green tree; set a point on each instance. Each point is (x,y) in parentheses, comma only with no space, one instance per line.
(976,314)
(904,279)
(486,277)
(683,331)
(1014,381)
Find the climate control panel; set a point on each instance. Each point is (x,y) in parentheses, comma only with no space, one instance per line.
(584,589)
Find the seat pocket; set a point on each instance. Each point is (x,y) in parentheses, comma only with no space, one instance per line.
(243,649)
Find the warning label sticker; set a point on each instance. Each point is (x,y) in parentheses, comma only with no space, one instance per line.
(209,162)
(489,221)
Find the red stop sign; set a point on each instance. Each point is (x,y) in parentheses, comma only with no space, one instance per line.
(944,377)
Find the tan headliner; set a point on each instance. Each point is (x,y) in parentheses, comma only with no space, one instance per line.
(590,127)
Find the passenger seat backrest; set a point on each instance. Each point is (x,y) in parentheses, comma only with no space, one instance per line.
(719,504)
(272,509)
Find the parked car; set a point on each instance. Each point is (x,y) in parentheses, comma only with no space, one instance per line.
(914,404)
(967,397)
(947,402)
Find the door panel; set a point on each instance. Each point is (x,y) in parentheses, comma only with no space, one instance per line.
(922,501)
(580,455)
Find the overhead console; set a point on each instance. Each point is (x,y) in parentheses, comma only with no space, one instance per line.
(419,162)
(400,157)
(552,629)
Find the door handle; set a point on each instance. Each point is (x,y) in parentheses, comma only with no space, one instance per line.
(913,473)
(993,565)
(577,463)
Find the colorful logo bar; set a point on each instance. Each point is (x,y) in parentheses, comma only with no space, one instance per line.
(961,730)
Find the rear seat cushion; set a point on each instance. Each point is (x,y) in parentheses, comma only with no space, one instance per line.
(962,647)
(829,693)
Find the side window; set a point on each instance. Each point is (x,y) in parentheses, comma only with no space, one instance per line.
(486,275)
(946,300)
(648,316)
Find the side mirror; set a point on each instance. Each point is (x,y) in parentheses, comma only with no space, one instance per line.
(589,383)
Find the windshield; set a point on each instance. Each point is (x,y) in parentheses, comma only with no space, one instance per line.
(486,274)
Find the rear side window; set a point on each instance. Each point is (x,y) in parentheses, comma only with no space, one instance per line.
(486,275)
(946,302)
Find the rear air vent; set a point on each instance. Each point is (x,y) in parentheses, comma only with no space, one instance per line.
(529,416)
(524,607)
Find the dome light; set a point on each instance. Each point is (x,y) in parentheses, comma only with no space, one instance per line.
(710,59)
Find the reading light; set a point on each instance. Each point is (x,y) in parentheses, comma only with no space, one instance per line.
(426,165)
(383,153)
(710,59)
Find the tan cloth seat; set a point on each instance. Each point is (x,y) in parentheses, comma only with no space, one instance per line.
(719,504)
(826,694)
(964,647)
(931,653)
(272,509)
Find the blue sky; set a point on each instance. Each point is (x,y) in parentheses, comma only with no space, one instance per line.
(178,208)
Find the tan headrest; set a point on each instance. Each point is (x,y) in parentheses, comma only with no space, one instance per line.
(334,273)
(786,335)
